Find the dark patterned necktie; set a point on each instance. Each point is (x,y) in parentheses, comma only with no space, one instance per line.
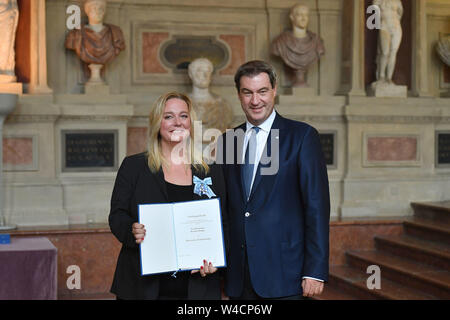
(250,158)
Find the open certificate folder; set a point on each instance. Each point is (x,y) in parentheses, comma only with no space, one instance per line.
(179,236)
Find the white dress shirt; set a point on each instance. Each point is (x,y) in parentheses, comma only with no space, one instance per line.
(261,139)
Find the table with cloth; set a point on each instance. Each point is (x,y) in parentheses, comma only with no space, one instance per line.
(28,269)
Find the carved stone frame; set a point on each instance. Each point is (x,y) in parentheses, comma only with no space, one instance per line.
(185,29)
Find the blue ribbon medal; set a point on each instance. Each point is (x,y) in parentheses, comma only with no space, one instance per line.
(201,187)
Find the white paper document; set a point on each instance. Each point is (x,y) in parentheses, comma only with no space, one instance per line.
(180,235)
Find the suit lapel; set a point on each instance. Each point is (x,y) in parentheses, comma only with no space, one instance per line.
(236,166)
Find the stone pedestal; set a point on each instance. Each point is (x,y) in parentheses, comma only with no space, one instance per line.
(294,101)
(96,88)
(382,89)
(11,87)
(303,92)
(95,78)
(445,94)
(95,94)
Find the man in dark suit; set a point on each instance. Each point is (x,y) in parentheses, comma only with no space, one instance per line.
(278,197)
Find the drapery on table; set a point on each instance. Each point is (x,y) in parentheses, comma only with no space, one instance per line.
(28,269)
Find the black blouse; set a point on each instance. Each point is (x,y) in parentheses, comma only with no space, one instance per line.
(169,286)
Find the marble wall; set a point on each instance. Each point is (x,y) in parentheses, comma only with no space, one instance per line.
(385,147)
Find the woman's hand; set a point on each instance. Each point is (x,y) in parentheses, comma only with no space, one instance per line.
(205,269)
(138,231)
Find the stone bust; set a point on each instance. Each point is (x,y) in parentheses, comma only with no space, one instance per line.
(299,48)
(96,43)
(9,18)
(211,109)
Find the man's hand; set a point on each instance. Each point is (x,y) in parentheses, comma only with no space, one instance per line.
(311,287)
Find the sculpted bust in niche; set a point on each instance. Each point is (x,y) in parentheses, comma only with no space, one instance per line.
(213,110)
(9,18)
(96,43)
(299,48)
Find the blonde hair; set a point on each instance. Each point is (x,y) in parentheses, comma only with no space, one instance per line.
(155,157)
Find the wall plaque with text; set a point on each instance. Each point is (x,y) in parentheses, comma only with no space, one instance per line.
(442,148)
(89,150)
(328,142)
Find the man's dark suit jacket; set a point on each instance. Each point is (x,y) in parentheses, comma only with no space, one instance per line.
(136,184)
(284,226)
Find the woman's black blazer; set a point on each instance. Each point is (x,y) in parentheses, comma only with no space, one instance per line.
(135,184)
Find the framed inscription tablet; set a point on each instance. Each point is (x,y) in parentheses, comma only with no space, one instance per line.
(442,149)
(328,142)
(89,150)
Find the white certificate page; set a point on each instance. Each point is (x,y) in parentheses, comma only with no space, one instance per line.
(179,236)
(157,249)
(199,234)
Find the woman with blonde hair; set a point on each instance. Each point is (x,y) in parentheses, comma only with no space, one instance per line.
(164,173)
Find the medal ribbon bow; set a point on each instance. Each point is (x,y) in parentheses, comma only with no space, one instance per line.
(201,186)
